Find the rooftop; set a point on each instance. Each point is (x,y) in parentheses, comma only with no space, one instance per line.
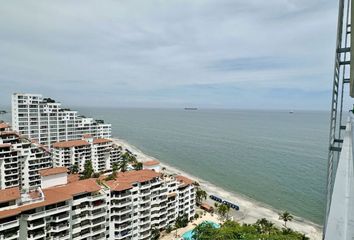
(151,163)
(53,171)
(101,140)
(4,125)
(184,180)
(9,194)
(71,143)
(125,180)
(51,195)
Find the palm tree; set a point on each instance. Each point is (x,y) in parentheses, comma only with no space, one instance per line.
(264,226)
(286,216)
(123,166)
(200,195)
(138,166)
(223,210)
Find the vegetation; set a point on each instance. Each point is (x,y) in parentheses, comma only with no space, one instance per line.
(138,166)
(200,195)
(74,168)
(127,158)
(223,210)
(286,216)
(155,234)
(169,229)
(262,230)
(181,221)
(88,170)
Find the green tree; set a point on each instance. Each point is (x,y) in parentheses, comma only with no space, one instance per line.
(155,234)
(138,166)
(286,217)
(181,221)
(264,226)
(205,230)
(74,168)
(88,170)
(200,195)
(223,210)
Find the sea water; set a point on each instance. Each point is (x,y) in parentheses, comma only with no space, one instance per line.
(274,157)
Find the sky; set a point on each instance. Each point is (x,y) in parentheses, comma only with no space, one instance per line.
(274,54)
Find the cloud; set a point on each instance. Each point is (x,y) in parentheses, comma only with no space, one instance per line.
(120,52)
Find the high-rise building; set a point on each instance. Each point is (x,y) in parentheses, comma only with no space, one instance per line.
(102,152)
(45,121)
(21,160)
(128,207)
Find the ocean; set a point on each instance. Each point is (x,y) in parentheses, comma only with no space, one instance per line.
(273,157)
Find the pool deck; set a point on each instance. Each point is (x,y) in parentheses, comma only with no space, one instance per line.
(206,217)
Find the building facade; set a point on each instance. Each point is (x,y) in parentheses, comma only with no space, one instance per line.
(102,152)
(45,121)
(21,160)
(128,207)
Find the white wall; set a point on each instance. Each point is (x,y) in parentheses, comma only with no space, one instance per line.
(54,180)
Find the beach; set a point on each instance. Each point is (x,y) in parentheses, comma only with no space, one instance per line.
(250,210)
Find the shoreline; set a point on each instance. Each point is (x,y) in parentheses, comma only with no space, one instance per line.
(250,209)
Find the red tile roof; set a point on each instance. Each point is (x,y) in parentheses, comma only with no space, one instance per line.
(73,178)
(101,140)
(79,187)
(53,171)
(4,125)
(118,186)
(124,180)
(9,194)
(71,143)
(151,163)
(54,195)
(184,180)
(87,136)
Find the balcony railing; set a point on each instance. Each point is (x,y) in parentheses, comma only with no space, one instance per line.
(340,223)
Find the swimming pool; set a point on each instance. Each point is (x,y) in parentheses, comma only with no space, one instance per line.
(189,234)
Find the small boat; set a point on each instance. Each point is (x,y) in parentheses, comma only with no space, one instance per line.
(190,109)
(291,112)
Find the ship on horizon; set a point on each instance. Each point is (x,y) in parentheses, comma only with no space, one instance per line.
(191,108)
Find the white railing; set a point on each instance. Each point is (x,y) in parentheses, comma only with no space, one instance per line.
(340,219)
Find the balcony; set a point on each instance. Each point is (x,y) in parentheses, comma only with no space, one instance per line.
(340,220)
(48,212)
(9,225)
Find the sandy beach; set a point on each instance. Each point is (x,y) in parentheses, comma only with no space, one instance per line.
(250,210)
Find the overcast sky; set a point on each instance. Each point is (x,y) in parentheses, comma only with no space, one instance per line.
(206,53)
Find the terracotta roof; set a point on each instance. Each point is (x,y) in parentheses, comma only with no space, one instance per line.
(87,135)
(101,140)
(79,187)
(51,197)
(124,180)
(9,194)
(71,143)
(151,163)
(55,195)
(4,125)
(118,186)
(206,207)
(184,180)
(73,178)
(53,171)
(137,176)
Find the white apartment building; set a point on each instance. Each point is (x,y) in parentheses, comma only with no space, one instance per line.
(102,152)
(18,154)
(45,121)
(126,208)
